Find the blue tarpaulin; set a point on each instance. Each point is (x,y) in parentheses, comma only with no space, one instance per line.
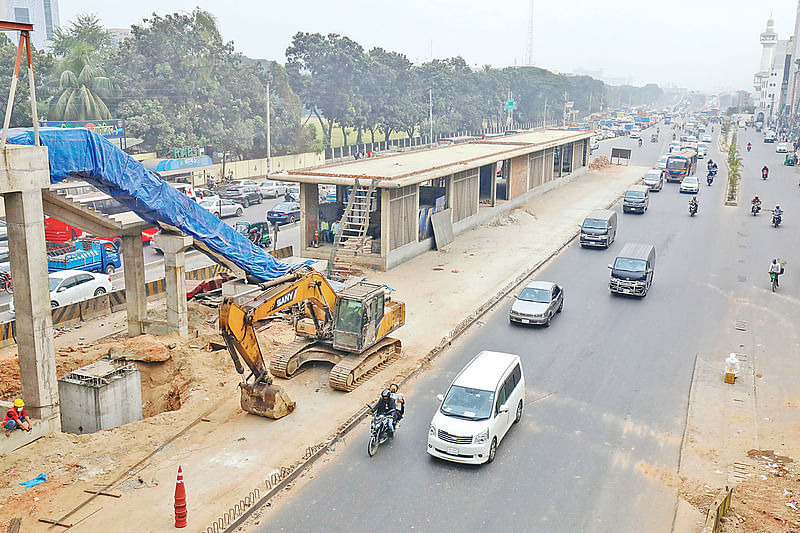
(84,154)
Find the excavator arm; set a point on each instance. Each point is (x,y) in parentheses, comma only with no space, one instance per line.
(304,287)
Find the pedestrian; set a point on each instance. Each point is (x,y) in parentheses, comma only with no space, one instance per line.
(16,418)
(287,197)
(369,154)
(325,231)
(334,230)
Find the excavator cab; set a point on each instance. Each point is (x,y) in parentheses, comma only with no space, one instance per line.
(358,317)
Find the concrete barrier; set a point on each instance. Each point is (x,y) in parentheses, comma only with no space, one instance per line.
(112,302)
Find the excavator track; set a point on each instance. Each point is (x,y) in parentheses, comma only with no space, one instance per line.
(284,362)
(353,370)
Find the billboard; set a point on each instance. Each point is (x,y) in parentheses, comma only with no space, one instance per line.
(110,129)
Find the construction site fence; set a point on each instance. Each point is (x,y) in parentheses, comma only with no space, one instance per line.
(69,315)
(718,509)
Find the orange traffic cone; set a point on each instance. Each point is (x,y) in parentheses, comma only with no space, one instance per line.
(180,500)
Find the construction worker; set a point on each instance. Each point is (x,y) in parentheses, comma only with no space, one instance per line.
(16,418)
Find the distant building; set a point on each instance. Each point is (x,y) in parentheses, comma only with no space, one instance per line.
(118,35)
(43,14)
(772,79)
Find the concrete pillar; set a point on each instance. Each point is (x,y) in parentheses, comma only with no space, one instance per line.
(385,223)
(174,247)
(24,172)
(133,270)
(309,213)
(493,197)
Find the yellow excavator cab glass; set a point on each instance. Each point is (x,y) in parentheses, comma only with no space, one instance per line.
(349,316)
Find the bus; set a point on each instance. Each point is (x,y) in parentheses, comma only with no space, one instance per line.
(681,165)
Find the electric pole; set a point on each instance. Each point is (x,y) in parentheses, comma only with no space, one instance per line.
(269,144)
(430,112)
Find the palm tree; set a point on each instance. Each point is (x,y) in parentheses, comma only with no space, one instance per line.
(82,84)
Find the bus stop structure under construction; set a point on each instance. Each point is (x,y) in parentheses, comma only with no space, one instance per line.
(384,205)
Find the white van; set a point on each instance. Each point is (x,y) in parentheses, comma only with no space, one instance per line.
(482,403)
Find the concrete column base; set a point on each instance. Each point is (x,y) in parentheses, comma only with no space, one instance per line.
(135,297)
(174,247)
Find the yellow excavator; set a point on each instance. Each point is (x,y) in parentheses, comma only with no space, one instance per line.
(348,329)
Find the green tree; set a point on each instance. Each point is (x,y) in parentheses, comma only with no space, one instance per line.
(82,85)
(43,63)
(86,28)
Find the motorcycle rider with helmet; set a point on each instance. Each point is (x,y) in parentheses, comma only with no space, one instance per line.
(749,146)
(756,203)
(693,204)
(765,172)
(386,406)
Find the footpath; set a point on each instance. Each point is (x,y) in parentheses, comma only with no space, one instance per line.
(191,397)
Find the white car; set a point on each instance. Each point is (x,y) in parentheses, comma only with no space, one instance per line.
(674,147)
(220,207)
(71,286)
(485,399)
(635,135)
(707,138)
(781,148)
(271,189)
(690,185)
(662,163)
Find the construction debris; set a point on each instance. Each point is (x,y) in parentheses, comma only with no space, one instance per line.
(599,162)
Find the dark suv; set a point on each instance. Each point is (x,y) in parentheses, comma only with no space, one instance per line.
(243,194)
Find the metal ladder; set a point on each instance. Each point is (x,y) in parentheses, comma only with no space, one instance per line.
(355,220)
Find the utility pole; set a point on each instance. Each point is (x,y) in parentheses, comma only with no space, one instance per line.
(565,108)
(529,61)
(544,114)
(430,112)
(510,115)
(269,140)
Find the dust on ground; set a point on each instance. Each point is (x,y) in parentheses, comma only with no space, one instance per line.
(177,374)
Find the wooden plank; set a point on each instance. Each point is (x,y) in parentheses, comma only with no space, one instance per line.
(54,522)
(104,493)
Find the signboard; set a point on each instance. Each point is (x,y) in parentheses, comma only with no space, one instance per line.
(620,154)
(110,129)
(510,104)
(187,151)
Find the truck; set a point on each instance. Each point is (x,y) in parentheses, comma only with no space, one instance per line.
(93,255)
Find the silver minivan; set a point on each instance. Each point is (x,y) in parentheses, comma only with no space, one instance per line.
(599,228)
(476,412)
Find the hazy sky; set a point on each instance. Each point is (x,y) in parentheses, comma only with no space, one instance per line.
(700,44)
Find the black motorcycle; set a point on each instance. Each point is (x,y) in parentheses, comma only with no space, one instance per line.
(692,210)
(776,220)
(710,178)
(755,209)
(379,433)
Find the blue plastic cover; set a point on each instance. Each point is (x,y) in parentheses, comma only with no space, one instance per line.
(84,154)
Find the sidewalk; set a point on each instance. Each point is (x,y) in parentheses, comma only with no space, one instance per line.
(227,453)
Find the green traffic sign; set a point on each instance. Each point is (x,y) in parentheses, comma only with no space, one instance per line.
(510,104)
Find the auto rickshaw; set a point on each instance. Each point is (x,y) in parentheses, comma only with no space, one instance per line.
(257,232)
(654,138)
(791,159)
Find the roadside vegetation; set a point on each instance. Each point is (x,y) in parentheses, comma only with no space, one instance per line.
(734,168)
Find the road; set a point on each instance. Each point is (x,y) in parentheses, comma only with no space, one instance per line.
(154,262)
(607,384)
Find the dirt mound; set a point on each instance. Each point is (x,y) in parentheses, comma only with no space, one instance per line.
(145,348)
(516,216)
(599,162)
(769,499)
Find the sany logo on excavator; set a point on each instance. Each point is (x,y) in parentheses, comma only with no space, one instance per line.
(286,298)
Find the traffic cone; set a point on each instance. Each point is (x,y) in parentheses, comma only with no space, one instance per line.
(180,501)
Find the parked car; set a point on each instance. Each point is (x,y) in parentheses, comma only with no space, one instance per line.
(71,286)
(654,179)
(690,185)
(781,148)
(243,194)
(271,189)
(239,183)
(284,213)
(221,207)
(538,302)
(475,414)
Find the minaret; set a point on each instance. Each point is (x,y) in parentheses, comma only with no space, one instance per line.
(768,40)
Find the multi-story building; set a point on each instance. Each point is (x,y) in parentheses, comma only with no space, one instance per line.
(43,14)
(118,35)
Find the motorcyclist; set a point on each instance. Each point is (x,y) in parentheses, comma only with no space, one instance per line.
(749,146)
(386,406)
(640,142)
(756,202)
(765,172)
(674,136)
(777,211)
(775,270)
(693,203)
(710,164)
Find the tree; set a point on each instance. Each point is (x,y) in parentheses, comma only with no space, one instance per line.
(86,28)
(82,85)
(43,63)
(325,72)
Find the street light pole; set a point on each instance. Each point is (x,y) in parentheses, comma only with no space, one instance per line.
(269,143)
(430,112)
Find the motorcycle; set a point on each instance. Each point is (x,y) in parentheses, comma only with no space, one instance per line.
(749,147)
(755,209)
(764,175)
(776,220)
(5,282)
(773,277)
(692,210)
(710,179)
(379,432)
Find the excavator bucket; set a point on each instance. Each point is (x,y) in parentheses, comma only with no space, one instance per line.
(265,400)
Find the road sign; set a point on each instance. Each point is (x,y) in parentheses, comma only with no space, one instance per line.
(510,104)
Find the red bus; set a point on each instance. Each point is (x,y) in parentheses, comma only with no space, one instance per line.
(681,165)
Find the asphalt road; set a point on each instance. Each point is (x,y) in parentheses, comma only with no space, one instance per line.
(607,385)
(154,262)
